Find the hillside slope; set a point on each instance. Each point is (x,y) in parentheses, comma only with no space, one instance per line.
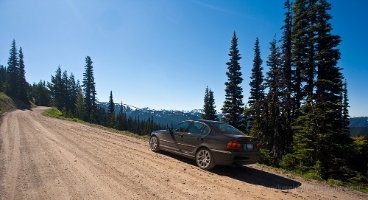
(8,104)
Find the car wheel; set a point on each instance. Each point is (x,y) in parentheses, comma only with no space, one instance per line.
(204,159)
(154,144)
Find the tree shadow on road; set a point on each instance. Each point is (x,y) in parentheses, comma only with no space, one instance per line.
(246,174)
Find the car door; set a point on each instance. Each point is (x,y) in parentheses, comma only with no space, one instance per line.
(192,138)
(177,133)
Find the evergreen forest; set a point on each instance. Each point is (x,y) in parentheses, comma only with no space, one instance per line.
(298,109)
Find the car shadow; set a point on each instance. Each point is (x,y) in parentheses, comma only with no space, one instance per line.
(246,174)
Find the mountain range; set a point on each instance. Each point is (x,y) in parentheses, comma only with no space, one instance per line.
(163,117)
(358,125)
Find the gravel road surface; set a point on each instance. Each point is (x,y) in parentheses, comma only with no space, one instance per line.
(47,158)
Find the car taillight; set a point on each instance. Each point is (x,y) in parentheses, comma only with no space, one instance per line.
(234,145)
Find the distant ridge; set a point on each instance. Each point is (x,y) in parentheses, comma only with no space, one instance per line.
(163,117)
(358,125)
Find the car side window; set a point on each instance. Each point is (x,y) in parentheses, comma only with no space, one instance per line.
(181,127)
(205,130)
(196,128)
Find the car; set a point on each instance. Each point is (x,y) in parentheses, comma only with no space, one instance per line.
(208,142)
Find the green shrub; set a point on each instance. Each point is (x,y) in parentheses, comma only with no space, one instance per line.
(312,175)
(288,162)
(265,157)
(54,112)
(334,182)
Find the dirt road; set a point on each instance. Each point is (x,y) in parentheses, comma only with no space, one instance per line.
(46,158)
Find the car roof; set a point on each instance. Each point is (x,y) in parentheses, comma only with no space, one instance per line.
(206,121)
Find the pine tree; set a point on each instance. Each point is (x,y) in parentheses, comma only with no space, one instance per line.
(329,87)
(12,83)
(56,89)
(73,89)
(256,99)
(80,106)
(273,113)
(65,92)
(40,95)
(89,89)
(319,135)
(22,80)
(256,84)
(111,112)
(2,78)
(287,102)
(212,111)
(111,108)
(121,118)
(233,105)
(209,106)
(300,49)
(345,110)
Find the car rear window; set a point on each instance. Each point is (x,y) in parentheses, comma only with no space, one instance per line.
(227,129)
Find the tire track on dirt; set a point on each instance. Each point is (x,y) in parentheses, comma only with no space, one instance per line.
(11,144)
(88,171)
(49,162)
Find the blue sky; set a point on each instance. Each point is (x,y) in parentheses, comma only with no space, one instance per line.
(162,54)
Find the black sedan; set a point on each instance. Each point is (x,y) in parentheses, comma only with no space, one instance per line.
(210,143)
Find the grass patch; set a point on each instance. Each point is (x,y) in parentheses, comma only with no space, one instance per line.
(334,182)
(56,113)
(312,175)
(53,112)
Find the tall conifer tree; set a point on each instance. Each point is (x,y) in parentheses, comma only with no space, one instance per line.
(55,87)
(273,113)
(111,112)
(319,136)
(111,108)
(233,105)
(287,75)
(256,83)
(2,78)
(89,89)
(40,95)
(80,106)
(12,83)
(22,80)
(345,110)
(209,106)
(256,99)
(300,50)
(65,91)
(73,88)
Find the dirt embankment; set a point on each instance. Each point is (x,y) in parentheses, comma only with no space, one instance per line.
(46,158)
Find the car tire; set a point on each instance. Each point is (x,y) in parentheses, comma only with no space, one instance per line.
(204,159)
(154,144)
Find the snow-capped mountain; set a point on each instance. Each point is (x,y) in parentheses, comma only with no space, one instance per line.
(163,117)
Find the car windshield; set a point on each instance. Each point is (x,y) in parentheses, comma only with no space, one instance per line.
(227,129)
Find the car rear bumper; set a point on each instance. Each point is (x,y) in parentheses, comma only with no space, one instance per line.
(235,158)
